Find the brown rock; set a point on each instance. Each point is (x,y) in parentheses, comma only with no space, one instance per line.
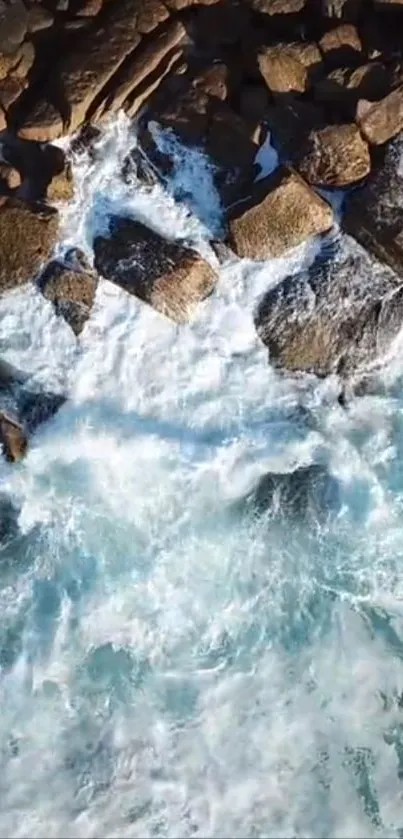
(168,276)
(71,292)
(178,5)
(336,317)
(143,64)
(61,187)
(12,438)
(27,58)
(90,8)
(27,237)
(43,123)
(213,80)
(291,124)
(10,90)
(347,10)
(278,7)
(169,65)
(335,156)
(374,214)
(39,18)
(3,120)
(151,14)
(342,45)
(9,176)
(8,61)
(344,86)
(383,120)
(13,25)
(282,72)
(282,212)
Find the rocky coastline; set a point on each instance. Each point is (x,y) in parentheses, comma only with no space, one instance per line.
(323,79)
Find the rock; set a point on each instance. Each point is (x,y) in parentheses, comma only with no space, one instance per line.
(136,166)
(374,214)
(91,8)
(151,14)
(307,491)
(348,10)
(37,165)
(9,176)
(282,71)
(39,18)
(344,86)
(278,7)
(13,25)
(27,237)
(10,90)
(12,438)
(26,61)
(335,156)
(383,120)
(3,120)
(334,317)
(178,5)
(71,292)
(342,45)
(290,124)
(145,63)
(282,213)
(213,80)
(8,61)
(43,123)
(253,102)
(61,187)
(167,275)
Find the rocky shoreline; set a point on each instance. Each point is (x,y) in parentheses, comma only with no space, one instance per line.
(322,78)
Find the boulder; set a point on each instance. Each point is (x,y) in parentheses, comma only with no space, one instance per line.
(278,7)
(61,187)
(28,234)
(8,61)
(383,120)
(343,87)
(342,45)
(290,125)
(335,156)
(43,123)
(340,315)
(282,71)
(281,213)
(374,214)
(170,277)
(10,178)
(305,492)
(72,293)
(13,24)
(38,165)
(214,80)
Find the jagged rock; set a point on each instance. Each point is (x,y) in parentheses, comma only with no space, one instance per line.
(282,212)
(13,25)
(307,491)
(167,275)
(335,156)
(342,45)
(27,237)
(374,214)
(282,71)
(383,120)
(148,63)
(135,165)
(337,317)
(71,292)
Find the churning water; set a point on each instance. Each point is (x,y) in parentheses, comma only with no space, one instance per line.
(174,663)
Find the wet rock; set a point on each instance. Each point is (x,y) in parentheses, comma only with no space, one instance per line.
(333,318)
(36,408)
(137,166)
(335,156)
(28,234)
(342,45)
(13,439)
(72,293)
(374,214)
(282,212)
(309,491)
(167,275)
(383,120)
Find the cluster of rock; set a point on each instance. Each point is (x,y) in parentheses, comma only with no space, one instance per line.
(323,77)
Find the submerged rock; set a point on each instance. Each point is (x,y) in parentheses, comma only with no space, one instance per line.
(309,491)
(337,317)
(281,213)
(167,275)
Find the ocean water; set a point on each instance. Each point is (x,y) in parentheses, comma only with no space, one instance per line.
(174,661)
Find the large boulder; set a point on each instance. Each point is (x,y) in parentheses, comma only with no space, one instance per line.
(374,214)
(281,213)
(343,87)
(335,156)
(383,120)
(342,45)
(28,234)
(283,70)
(72,293)
(337,317)
(170,277)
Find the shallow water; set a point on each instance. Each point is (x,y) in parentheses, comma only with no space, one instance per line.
(172,663)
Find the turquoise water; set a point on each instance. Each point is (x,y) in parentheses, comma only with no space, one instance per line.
(176,661)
